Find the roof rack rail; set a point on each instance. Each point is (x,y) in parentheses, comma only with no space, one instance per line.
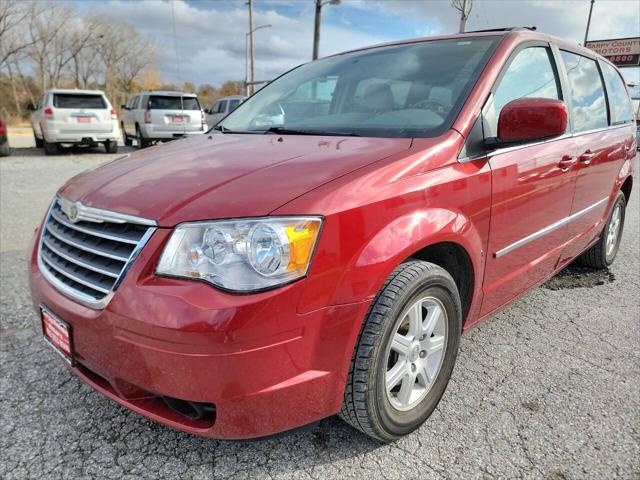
(504,29)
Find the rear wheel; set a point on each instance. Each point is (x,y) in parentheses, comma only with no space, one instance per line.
(405,353)
(39,143)
(50,148)
(111,146)
(602,254)
(5,151)
(125,138)
(142,142)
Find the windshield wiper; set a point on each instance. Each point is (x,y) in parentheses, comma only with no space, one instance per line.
(223,129)
(293,131)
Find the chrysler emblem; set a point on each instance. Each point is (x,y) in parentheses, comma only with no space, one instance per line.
(73,213)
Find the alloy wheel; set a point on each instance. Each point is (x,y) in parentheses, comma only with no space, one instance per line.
(614,229)
(416,353)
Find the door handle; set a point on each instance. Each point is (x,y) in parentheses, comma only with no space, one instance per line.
(586,157)
(567,162)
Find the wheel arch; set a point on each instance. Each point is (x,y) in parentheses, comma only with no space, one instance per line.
(452,257)
(441,236)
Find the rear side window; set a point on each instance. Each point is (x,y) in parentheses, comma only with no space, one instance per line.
(190,103)
(166,102)
(531,73)
(220,106)
(619,104)
(588,105)
(72,100)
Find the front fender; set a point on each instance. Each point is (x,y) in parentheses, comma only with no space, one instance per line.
(361,246)
(403,237)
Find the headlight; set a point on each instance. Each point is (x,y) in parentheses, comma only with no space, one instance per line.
(242,255)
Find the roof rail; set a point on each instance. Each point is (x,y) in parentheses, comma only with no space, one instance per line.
(503,29)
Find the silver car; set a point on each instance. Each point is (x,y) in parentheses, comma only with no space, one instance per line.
(74,117)
(221,108)
(161,116)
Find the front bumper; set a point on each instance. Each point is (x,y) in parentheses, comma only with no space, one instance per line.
(265,367)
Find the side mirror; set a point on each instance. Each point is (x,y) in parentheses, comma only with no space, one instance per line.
(206,110)
(528,119)
(31,107)
(123,107)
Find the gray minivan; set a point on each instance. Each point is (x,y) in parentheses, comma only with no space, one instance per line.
(221,108)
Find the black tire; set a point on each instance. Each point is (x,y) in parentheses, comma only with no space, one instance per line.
(50,148)
(597,257)
(111,146)
(5,151)
(39,142)
(142,142)
(125,138)
(366,404)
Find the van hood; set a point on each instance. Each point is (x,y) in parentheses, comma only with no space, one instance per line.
(223,175)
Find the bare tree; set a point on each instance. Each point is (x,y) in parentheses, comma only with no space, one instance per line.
(48,32)
(84,61)
(13,42)
(140,55)
(58,48)
(464,7)
(124,54)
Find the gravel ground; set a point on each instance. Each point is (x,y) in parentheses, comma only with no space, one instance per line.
(549,388)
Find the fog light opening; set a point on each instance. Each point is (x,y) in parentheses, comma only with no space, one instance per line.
(190,410)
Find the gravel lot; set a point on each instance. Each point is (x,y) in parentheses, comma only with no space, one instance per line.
(550,388)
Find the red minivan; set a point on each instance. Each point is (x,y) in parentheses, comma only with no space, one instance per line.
(322,250)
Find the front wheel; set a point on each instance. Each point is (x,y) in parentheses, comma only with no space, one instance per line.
(142,142)
(111,146)
(39,142)
(125,138)
(603,253)
(405,353)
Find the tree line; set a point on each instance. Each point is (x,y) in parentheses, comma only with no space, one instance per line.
(49,45)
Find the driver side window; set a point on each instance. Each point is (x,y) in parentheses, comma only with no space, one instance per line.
(530,74)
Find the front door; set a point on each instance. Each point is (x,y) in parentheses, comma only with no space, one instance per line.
(532,187)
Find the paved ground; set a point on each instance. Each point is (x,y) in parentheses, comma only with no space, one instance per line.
(550,388)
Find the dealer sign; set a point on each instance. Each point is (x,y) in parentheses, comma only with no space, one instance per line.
(622,52)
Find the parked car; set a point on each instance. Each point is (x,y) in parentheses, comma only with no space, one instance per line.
(74,117)
(161,116)
(324,249)
(4,141)
(221,108)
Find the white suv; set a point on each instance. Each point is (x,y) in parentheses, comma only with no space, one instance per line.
(80,117)
(161,116)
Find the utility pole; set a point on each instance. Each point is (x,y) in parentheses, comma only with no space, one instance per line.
(316,28)
(464,7)
(586,33)
(252,49)
(246,56)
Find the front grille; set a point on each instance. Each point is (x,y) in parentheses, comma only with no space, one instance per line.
(87,259)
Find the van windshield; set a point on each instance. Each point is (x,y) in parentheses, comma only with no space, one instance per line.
(410,90)
(74,100)
(170,102)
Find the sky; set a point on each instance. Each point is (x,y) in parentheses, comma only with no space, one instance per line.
(203,41)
